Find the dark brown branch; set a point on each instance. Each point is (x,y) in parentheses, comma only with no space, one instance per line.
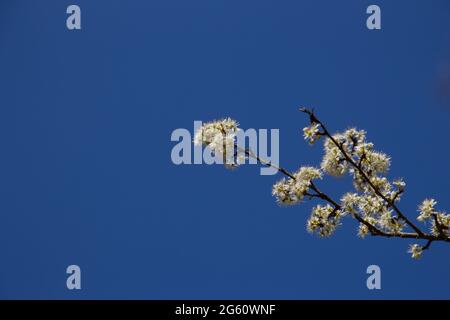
(249,153)
(427,246)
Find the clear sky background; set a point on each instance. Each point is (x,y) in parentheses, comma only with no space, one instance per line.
(86,116)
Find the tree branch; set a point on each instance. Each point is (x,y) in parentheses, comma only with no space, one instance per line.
(374,231)
(350,160)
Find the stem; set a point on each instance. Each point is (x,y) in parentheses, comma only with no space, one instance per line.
(250,153)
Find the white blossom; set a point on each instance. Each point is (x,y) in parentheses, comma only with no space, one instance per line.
(285,192)
(333,162)
(324,220)
(311,133)
(210,130)
(389,223)
(376,162)
(444,219)
(370,205)
(349,202)
(363,148)
(426,209)
(363,230)
(220,137)
(382,184)
(416,251)
(308,174)
(290,191)
(355,137)
(442,226)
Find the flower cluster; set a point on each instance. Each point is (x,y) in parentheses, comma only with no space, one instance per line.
(342,148)
(349,152)
(439,221)
(290,191)
(220,137)
(324,220)
(374,210)
(426,209)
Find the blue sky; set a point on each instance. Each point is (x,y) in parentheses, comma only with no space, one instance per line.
(85,121)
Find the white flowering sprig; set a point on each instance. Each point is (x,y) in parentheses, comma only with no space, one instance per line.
(374,201)
(374,204)
(220,137)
